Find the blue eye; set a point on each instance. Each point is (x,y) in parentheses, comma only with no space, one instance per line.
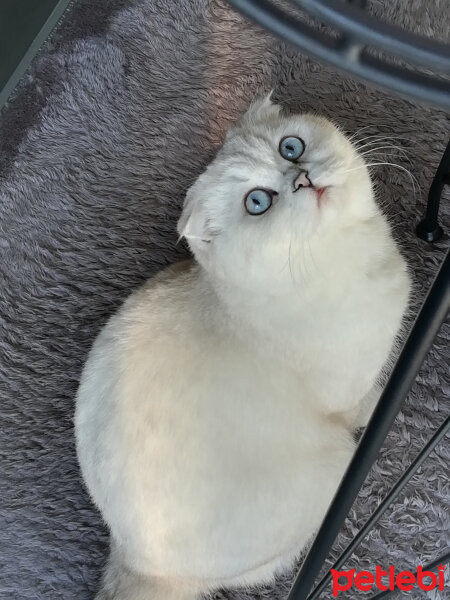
(291,147)
(258,201)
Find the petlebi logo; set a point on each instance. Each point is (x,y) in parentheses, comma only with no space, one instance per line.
(389,579)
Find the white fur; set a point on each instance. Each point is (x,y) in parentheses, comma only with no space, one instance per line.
(214,416)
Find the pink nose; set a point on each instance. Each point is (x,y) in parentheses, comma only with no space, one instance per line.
(301,181)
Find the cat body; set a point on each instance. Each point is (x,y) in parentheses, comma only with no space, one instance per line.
(215,413)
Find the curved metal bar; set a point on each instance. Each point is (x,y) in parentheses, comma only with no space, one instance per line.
(346,56)
(384,505)
(370,31)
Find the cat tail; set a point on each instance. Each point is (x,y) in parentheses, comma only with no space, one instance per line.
(121,583)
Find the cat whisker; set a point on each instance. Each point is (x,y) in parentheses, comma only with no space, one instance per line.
(385,147)
(311,255)
(303,267)
(414,179)
(381,145)
(289,262)
(381,140)
(386,144)
(355,134)
(394,150)
(381,137)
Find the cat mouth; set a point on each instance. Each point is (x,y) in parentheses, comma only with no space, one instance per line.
(303,181)
(320,192)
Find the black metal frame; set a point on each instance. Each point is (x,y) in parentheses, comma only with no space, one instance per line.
(347,51)
(429,229)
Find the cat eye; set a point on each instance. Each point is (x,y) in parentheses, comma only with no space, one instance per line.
(291,147)
(258,201)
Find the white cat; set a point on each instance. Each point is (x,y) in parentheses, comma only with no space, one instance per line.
(215,413)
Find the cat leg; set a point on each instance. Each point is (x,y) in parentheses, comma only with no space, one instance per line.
(122,583)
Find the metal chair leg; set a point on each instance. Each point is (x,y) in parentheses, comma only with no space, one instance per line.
(429,229)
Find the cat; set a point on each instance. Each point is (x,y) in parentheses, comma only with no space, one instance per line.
(215,414)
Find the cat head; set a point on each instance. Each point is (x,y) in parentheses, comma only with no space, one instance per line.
(278,183)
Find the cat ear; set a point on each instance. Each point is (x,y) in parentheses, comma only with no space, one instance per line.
(261,109)
(193,222)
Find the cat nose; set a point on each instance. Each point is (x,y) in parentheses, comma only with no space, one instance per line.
(302,181)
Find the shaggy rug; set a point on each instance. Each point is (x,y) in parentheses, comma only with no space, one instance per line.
(117,116)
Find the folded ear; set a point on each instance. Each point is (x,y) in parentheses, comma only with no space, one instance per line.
(193,222)
(261,109)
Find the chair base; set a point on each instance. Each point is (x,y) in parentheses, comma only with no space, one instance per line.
(430,235)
